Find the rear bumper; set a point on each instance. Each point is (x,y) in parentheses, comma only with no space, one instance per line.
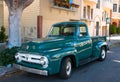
(32,70)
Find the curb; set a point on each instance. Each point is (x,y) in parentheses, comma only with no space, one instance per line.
(12,70)
(3,70)
(114,45)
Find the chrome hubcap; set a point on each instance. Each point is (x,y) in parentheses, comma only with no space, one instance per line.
(103,54)
(68,68)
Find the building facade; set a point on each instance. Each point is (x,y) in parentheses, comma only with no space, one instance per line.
(41,14)
(87,8)
(116,13)
(97,14)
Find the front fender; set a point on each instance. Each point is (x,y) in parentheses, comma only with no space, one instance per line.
(56,59)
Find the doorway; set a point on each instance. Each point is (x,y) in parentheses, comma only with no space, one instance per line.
(104,30)
(97,28)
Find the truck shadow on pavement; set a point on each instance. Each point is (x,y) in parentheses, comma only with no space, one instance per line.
(76,71)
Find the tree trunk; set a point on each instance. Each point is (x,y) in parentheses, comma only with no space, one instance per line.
(14,27)
(16,8)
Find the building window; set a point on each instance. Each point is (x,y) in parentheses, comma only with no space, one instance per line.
(102,16)
(119,9)
(91,13)
(109,1)
(84,12)
(88,12)
(114,7)
(97,28)
(98,4)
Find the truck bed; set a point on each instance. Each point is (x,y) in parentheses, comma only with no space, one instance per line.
(99,38)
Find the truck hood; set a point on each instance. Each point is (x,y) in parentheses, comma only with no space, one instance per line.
(48,44)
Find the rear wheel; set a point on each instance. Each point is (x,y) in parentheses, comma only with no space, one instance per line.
(66,68)
(102,54)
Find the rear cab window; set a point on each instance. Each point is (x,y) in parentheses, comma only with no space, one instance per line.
(82,30)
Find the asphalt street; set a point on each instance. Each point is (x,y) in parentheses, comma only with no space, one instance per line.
(96,71)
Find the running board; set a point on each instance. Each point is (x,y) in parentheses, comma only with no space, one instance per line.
(85,61)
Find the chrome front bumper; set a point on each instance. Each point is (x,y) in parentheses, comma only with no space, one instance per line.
(32,70)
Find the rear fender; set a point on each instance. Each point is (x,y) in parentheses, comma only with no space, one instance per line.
(97,48)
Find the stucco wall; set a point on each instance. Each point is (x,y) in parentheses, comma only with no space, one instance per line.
(1,15)
(6,14)
(52,15)
(29,20)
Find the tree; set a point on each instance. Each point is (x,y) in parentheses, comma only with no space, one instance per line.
(15,8)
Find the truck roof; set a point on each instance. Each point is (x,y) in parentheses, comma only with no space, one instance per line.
(71,22)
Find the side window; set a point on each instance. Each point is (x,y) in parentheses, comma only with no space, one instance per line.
(55,31)
(83,31)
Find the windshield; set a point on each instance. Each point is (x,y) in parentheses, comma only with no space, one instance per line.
(62,30)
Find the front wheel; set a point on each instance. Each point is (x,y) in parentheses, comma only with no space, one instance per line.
(102,54)
(66,68)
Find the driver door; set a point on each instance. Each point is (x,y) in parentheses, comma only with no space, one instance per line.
(84,44)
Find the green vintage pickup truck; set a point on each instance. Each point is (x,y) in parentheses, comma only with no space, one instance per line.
(67,45)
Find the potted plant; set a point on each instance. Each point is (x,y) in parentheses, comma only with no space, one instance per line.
(74,5)
(62,3)
(57,2)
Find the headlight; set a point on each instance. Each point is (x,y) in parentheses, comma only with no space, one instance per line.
(17,57)
(44,61)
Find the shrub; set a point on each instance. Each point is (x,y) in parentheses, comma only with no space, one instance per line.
(3,36)
(118,30)
(7,56)
(113,29)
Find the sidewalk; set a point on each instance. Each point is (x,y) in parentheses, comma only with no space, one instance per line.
(7,70)
(112,41)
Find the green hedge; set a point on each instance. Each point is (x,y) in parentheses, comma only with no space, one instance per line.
(118,30)
(7,56)
(113,29)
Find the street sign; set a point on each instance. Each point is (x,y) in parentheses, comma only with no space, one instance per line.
(108,20)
